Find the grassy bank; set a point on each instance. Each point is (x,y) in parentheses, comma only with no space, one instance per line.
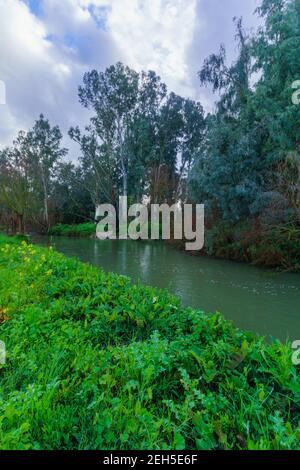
(86,230)
(94,362)
(77,230)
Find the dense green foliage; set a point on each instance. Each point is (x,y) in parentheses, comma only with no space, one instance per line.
(273,246)
(89,229)
(242,160)
(135,136)
(95,362)
(79,230)
(27,171)
(248,168)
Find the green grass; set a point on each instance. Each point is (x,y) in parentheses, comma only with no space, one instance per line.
(89,229)
(95,362)
(80,230)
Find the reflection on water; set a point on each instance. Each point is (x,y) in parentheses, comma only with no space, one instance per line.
(256,299)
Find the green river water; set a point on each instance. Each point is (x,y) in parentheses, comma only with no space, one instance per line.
(260,300)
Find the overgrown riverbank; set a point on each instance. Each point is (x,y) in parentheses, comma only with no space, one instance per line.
(96,362)
(276,248)
(87,229)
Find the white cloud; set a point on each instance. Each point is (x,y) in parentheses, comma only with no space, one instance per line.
(40,70)
(43,57)
(155,35)
(2,92)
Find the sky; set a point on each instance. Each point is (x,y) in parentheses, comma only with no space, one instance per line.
(47,45)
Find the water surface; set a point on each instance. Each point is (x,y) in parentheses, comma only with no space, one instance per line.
(260,300)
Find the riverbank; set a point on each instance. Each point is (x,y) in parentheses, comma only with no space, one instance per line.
(87,229)
(277,249)
(264,301)
(96,362)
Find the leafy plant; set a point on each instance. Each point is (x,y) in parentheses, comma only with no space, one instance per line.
(95,362)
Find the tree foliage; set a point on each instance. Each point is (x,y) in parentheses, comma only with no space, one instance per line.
(249,162)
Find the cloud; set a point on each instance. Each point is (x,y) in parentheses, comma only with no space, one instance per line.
(154,35)
(47,45)
(173,37)
(2,92)
(41,69)
(215,26)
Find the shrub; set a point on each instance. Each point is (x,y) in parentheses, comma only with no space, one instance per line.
(79,230)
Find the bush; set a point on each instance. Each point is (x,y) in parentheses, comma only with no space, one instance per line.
(79,230)
(95,362)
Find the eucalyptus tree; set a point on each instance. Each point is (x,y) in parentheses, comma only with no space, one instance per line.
(137,135)
(112,94)
(179,132)
(16,193)
(169,132)
(191,140)
(101,174)
(43,149)
(249,163)
(143,131)
(276,55)
(227,170)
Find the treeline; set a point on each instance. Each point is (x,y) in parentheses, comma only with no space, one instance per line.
(248,169)
(242,161)
(132,145)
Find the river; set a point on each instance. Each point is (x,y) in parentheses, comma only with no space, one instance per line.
(261,300)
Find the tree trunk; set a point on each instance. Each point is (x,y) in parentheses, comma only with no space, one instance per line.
(21,228)
(125,184)
(46,212)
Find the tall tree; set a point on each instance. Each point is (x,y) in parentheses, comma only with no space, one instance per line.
(137,135)
(229,169)
(112,95)
(276,54)
(99,166)
(16,194)
(44,151)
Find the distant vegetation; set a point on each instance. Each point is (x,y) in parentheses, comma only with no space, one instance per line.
(95,362)
(242,160)
(79,230)
(274,247)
